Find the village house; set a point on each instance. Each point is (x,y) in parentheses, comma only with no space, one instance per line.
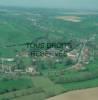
(73,55)
(30,70)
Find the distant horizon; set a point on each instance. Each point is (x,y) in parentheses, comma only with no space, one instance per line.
(25,7)
(63,4)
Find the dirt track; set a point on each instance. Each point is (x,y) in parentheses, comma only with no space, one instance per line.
(87,94)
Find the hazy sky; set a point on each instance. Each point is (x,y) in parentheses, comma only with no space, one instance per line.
(85,4)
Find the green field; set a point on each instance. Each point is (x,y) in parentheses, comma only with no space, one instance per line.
(53,75)
(26,25)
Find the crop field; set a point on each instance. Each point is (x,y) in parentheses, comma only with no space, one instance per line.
(24,76)
(86,94)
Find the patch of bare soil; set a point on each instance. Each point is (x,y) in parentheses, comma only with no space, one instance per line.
(85,94)
(69,18)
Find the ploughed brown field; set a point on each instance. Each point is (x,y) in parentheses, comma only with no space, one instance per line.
(85,94)
(69,18)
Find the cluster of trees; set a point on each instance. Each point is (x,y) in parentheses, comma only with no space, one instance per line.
(62,78)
